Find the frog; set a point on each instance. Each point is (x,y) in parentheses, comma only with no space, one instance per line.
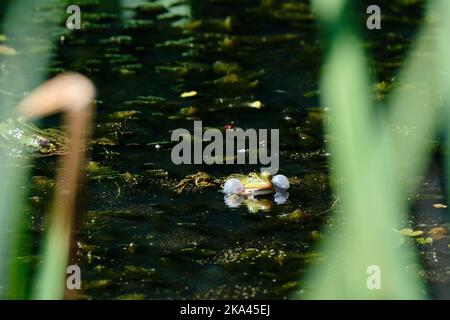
(248,189)
(22,137)
(255,184)
(241,189)
(251,184)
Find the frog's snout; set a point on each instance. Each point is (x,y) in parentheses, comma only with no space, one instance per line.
(280,182)
(233,186)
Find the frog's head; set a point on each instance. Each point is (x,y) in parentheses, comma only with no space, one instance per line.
(257,182)
(253,183)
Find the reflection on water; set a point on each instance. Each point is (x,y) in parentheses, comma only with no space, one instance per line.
(255,203)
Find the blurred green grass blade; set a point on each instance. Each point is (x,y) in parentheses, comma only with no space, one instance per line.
(416,107)
(51,277)
(362,154)
(26,35)
(13,242)
(29,70)
(445,49)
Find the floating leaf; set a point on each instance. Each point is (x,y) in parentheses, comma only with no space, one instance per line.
(127,114)
(132,296)
(255,104)
(139,24)
(223,67)
(410,232)
(188,94)
(145,100)
(192,24)
(188,111)
(104,142)
(427,240)
(231,78)
(439,206)
(150,9)
(311,94)
(228,23)
(228,42)
(406,231)
(118,39)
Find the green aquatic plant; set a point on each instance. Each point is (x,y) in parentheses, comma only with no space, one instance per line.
(13,275)
(72,95)
(375,165)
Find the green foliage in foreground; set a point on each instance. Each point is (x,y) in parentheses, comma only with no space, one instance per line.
(377,167)
(29,72)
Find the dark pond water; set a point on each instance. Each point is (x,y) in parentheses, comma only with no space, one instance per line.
(138,237)
(148,240)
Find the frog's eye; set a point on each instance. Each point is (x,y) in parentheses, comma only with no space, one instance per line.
(253,175)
